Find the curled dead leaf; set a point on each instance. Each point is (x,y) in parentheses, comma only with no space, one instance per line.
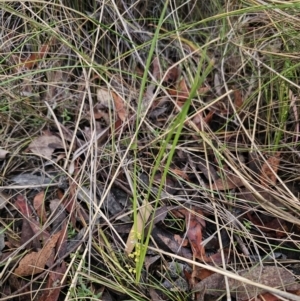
(269,170)
(34,262)
(45,145)
(39,206)
(110,99)
(119,106)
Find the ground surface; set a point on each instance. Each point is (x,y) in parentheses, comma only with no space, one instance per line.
(149,149)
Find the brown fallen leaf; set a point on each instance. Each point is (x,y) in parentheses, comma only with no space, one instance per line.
(34,262)
(195,223)
(110,100)
(39,206)
(238,99)
(54,284)
(29,219)
(31,61)
(27,240)
(45,145)
(172,244)
(180,173)
(269,170)
(269,225)
(229,181)
(27,213)
(58,213)
(181,241)
(199,120)
(268,297)
(139,71)
(203,90)
(15,283)
(194,234)
(119,106)
(172,75)
(269,275)
(181,92)
(201,273)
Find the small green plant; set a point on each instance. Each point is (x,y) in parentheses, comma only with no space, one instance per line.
(169,144)
(247,224)
(71,231)
(82,287)
(66,116)
(4,107)
(83,291)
